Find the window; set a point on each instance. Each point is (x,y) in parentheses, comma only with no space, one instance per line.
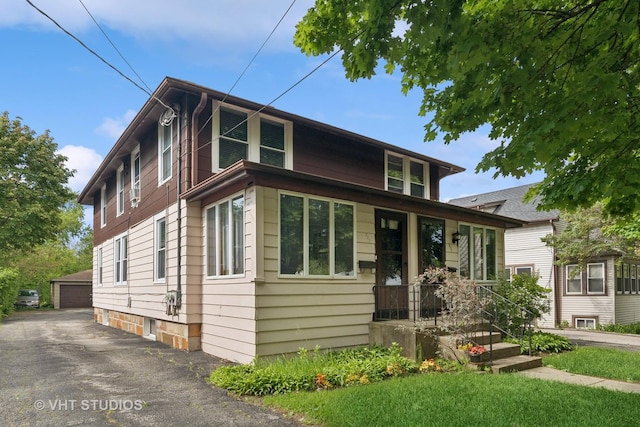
(521,271)
(634,283)
(585,323)
(317,237)
(431,243)
(149,328)
(595,278)
(478,252)
(244,135)
(588,281)
(99,265)
(574,279)
(225,238)
(619,284)
(120,260)
(407,176)
(160,249)
(120,190)
(135,176)
(103,205)
(627,278)
(165,143)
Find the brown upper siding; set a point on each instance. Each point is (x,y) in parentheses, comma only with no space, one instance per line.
(336,157)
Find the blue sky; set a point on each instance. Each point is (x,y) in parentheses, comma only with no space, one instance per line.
(53,83)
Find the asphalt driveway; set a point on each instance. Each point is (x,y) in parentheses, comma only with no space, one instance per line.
(60,368)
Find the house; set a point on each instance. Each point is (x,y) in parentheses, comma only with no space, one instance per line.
(606,291)
(242,230)
(72,290)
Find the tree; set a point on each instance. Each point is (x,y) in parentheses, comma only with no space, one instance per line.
(33,187)
(558,82)
(589,233)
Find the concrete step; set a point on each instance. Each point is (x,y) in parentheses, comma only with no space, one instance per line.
(500,350)
(484,338)
(515,363)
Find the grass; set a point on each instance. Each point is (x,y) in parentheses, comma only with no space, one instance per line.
(462,399)
(598,362)
(466,398)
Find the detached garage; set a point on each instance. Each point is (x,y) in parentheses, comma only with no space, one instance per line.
(72,291)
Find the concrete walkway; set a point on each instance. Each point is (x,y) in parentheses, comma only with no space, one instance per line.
(627,342)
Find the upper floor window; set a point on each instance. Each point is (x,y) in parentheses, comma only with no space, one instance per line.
(317,237)
(244,135)
(135,176)
(407,176)
(103,205)
(120,255)
(165,144)
(120,190)
(225,237)
(478,252)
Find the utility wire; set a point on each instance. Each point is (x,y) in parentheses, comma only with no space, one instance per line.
(96,54)
(114,46)
(248,65)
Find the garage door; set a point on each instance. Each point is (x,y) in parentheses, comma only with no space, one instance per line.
(75,296)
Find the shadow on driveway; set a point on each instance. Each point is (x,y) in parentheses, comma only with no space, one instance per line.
(60,368)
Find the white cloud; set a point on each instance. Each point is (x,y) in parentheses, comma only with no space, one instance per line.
(113,128)
(218,23)
(84,161)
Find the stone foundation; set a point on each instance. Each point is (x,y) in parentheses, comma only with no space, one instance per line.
(176,335)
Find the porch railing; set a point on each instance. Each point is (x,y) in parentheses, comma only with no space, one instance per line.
(419,302)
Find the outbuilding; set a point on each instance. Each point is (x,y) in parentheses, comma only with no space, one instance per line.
(72,291)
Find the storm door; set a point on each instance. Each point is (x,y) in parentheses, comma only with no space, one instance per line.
(392,288)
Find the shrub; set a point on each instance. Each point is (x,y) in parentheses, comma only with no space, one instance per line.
(633,328)
(9,289)
(542,342)
(314,370)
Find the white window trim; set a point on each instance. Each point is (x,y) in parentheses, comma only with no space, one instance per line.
(586,320)
(604,282)
(332,235)
(135,184)
(253,135)
(117,240)
(406,173)
(156,219)
(99,266)
(161,179)
(566,279)
(484,252)
(120,196)
(103,205)
(230,237)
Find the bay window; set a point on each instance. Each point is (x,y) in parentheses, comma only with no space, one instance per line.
(478,252)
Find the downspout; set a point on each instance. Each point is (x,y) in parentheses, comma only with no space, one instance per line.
(193,167)
(178,299)
(556,287)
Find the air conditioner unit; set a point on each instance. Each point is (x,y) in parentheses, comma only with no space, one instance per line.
(134,195)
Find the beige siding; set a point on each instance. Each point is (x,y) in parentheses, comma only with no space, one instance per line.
(524,248)
(627,309)
(590,306)
(141,295)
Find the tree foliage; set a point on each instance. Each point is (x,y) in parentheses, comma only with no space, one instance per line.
(557,81)
(590,233)
(33,187)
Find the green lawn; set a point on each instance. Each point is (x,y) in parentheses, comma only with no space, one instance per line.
(469,398)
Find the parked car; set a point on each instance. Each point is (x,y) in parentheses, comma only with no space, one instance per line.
(28,298)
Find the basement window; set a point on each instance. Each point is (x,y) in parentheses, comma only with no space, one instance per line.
(149,328)
(585,323)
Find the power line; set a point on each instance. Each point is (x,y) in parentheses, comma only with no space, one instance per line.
(95,53)
(114,46)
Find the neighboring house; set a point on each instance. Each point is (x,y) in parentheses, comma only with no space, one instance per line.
(247,231)
(72,291)
(606,291)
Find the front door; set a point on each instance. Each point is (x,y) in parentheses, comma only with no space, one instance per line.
(392,288)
